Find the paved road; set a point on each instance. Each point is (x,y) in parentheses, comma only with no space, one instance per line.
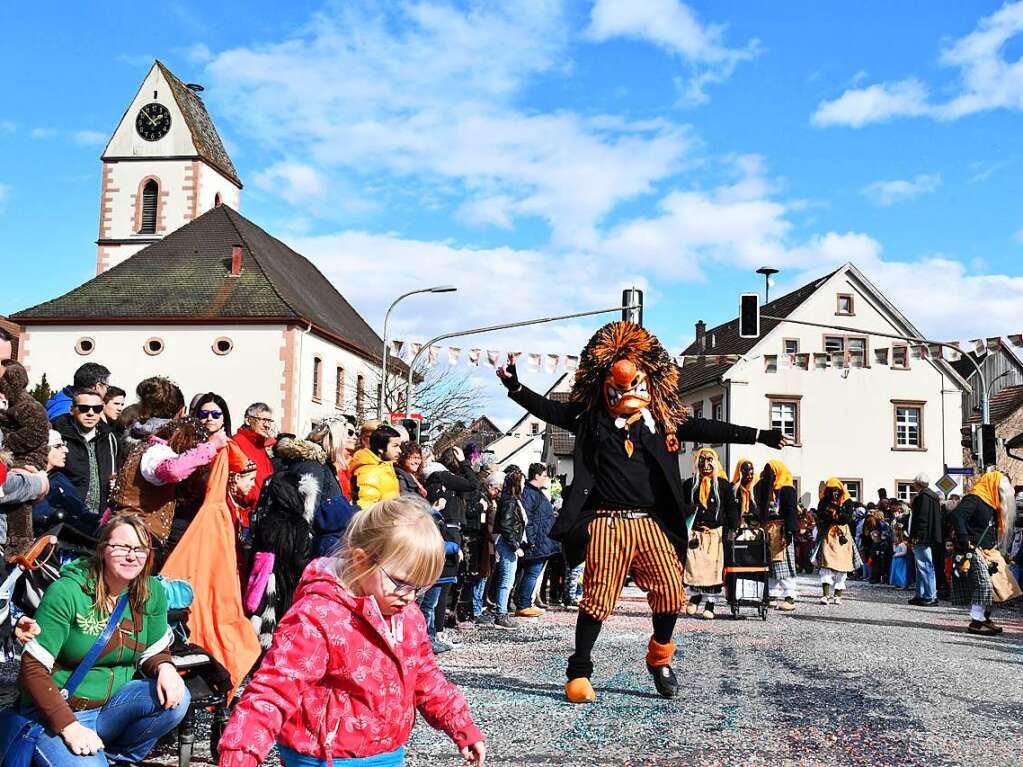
(871,682)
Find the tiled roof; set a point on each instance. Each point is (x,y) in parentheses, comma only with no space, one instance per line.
(204,134)
(562,442)
(724,339)
(184,276)
(1002,405)
(14,331)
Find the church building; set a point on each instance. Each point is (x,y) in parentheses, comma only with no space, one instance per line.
(187,287)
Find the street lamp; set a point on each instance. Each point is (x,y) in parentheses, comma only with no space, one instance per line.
(767,271)
(387,341)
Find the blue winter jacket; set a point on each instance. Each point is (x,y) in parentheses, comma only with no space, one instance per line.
(63,498)
(539,521)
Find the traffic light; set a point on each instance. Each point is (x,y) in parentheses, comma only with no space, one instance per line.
(968,440)
(411,425)
(988,445)
(632,297)
(749,315)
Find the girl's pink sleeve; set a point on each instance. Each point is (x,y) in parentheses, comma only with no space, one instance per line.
(441,702)
(180,467)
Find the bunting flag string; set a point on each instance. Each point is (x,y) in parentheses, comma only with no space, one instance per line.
(895,353)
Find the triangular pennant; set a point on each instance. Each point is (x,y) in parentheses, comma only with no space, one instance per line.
(453,354)
(979,345)
(493,358)
(533,362)
(803,361)
(416,348)
(924,351)
(994,344)
(397,347)
(1016,339)
(474,357)
(935,351)
(571,363)
(431,355)
(770,363)
(552,362)
(821,360)
(881,355)
(914,351)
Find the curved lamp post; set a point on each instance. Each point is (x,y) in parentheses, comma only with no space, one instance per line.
(387,342)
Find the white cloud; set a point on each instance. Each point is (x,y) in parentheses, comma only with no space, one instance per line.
(5,192)
(986,80)
(1018,236)
(876,103)
(673,26)
(435,105)
(7,126)
(294,181)
(43,133)
(89,137)
(886,193)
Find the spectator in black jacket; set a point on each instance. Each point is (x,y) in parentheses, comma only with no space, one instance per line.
(92,449)
(509,530)
(925,535)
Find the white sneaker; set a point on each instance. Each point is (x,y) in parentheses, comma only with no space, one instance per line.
(823,600)
(837,600)
(451,637)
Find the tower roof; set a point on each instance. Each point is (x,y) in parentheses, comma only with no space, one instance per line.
(185,277)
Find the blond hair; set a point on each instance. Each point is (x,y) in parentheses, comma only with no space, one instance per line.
(138,589)
(330,435)
(399,534)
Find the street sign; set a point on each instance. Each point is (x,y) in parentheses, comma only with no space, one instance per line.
(964,472)
(946,484)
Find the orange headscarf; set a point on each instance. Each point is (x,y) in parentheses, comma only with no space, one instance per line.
(782,475)
(987,489)
(706,482)
(206,558)
(835,482)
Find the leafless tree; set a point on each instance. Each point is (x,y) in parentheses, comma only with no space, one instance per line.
(444,395)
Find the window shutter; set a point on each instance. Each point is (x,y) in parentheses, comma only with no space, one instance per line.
(150,193)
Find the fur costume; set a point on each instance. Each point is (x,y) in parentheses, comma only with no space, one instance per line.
(26,433)
(626,507)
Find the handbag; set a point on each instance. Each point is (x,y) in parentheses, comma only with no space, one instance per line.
(18,733)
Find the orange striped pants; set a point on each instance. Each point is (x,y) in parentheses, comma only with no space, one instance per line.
(620,545)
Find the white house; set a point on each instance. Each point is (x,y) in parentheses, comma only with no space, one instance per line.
(524,442)
(875,421)
(189,288)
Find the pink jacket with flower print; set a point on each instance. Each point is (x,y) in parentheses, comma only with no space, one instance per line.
(342,681)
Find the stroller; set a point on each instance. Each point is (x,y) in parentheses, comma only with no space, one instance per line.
(30,574)
(747,570)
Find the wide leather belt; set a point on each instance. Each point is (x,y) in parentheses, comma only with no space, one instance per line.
(622,514)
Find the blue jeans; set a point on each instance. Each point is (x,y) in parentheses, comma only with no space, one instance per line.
(428,604)
(531,572)
(129,725)
(926,585)
(479,593)
(504,571)
(294,759)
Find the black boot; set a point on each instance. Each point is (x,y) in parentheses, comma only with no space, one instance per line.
(664,680)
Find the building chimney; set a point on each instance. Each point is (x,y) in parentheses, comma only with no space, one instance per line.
(236,260)
(701,335)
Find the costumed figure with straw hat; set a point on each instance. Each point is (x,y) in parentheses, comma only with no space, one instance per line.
(714,513)
(625,511)
(983,523)
(775,495)
(837,555)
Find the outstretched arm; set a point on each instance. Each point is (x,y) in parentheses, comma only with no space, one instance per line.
(563,414)
(711,432)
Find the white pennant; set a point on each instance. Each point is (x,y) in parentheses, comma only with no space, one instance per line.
(1016,339)
(474,357)
(453,354)
(571,363)
(431,355)
(552,362)
(533,362)
(397,347)
(493,358)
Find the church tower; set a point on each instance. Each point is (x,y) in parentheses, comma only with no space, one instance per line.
(164,166)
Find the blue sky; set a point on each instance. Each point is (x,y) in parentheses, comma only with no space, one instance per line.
(543,155)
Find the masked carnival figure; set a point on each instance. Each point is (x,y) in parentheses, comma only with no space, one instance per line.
(714,513)
(775,497)
(743,481)
(626,510)
(837,554)
(983,523)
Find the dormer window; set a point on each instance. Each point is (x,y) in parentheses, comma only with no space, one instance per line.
(150,198)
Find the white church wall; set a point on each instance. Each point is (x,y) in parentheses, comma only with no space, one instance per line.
(251,372)
(212,183)
(312,347)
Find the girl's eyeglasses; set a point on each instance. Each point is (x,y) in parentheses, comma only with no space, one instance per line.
(403,588)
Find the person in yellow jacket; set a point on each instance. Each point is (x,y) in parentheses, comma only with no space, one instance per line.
(373,477)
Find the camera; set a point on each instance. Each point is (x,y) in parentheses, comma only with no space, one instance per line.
(843,538)
(694,543)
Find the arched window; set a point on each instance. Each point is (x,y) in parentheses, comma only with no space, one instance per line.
(150,196)
(339,389)
(216,200)
(317,378)
(360,397)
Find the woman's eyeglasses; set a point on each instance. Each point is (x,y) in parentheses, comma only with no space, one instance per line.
(403,588)
(86,408)
(211,413)
(123,550)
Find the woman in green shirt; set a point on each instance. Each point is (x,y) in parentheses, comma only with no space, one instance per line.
(113,716)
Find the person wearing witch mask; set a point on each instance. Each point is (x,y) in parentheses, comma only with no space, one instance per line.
(776,500)
(837,554)
(716,513)
(626,511)
(743,480)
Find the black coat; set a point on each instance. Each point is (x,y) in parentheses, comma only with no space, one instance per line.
(721,511)
(77,466)
(827,518)
(786,509)
(925,526)
(509,523)
(455,489)
(974,523)
(673,506)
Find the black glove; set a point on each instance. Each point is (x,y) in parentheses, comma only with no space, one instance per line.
(789,535)
(511,383)
(770,437)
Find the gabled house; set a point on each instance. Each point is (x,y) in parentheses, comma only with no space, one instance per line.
(875,419)
(524,442)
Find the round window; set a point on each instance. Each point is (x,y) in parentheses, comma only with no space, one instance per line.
(223,345)
(85,345)
(153,346)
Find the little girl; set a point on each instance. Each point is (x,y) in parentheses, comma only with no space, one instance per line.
(351,661)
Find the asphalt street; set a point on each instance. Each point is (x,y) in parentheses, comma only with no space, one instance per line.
(873,681)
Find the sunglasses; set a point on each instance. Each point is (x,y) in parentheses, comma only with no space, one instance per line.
(87,408)
(211,413)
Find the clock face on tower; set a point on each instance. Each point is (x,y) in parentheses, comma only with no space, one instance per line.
(153,122)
